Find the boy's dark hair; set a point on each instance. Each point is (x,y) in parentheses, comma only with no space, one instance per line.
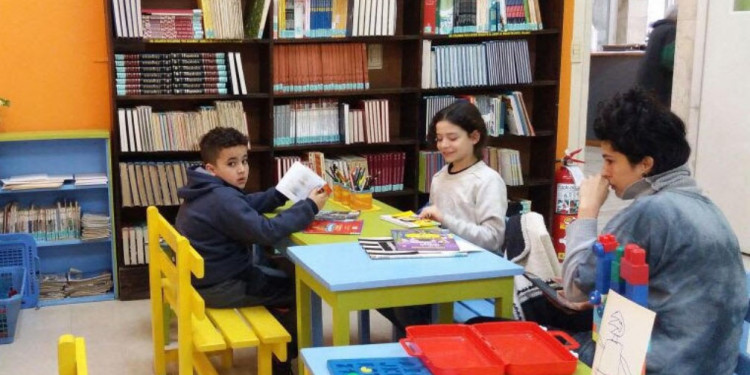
(637,125)
(218,139)
(464,115)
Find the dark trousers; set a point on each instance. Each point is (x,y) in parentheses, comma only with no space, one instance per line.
(259,286)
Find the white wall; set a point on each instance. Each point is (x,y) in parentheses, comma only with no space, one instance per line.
(719,115)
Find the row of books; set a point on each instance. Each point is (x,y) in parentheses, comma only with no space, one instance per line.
(45,181)
(327,67)
(387,169)
(505,161)
(127,18)
(430,162)
(497,62)
(329,121)
(142,130)
(222,19)
(135,245)
(56,223)
(172,23)
(501,112)
(179,73)
(148,184)
(333,18)
(74,283)
(480,16)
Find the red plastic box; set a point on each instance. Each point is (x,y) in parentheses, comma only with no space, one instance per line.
(512,348)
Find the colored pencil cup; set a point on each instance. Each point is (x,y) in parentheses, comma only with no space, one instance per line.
(338,194)
(344,196)
(361,200)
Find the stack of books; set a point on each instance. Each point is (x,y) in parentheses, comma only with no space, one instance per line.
(95,226)
(86,179)
(35,181)
(82,284)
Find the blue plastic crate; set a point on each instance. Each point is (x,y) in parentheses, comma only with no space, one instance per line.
(19,249)
(377,366)
(10,277)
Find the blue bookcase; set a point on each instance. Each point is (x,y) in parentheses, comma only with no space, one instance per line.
(59,153)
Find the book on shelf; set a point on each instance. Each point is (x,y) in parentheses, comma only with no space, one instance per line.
(35,181)
(409,219)
(297,183)
(424,240)
(335,227)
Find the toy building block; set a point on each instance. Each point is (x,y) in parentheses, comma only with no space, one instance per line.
(616,282)
(634,270)
(604,249)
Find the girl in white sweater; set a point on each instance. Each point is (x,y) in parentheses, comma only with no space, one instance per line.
(467,197)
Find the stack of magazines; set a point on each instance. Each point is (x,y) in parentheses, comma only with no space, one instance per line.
(75,283)
(95,226)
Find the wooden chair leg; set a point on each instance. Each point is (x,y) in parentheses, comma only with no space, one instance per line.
(227,358)
(264,359)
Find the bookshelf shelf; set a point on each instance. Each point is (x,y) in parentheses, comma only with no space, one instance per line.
(336,94)
(334,146)
(491,36)
(153,98)
(72,300)
(72,242)
(65,187)
(398,79)
(64,153)
(355,39)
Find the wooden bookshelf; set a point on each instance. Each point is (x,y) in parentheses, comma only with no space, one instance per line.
(399,81)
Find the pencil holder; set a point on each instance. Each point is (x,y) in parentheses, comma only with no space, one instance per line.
(361,200)
(338,195)
(344,196)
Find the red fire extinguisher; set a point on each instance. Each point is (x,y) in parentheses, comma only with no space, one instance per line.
(567,180)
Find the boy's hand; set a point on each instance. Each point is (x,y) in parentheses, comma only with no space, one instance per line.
(319,196)
(432,213)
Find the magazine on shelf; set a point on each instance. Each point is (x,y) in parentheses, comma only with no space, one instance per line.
(409,219)
(424,240)
(335,227)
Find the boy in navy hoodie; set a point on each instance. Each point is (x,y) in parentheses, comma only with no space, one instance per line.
(222,223)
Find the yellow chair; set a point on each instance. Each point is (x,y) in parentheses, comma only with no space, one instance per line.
(71,356)
(201,331)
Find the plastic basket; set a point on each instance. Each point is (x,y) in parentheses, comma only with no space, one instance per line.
(10,277)
(19,249)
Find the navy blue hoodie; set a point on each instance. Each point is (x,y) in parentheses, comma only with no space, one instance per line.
(222,223)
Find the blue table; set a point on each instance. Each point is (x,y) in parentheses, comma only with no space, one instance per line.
(348,280)
(315,360)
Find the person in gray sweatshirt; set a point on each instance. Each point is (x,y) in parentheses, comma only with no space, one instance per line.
(697,281)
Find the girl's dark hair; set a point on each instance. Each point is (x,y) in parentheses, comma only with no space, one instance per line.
(464,115)
(637,125)
(218,139)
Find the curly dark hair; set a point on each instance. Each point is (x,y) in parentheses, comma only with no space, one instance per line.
(218,139)
(464,115)
(637,125)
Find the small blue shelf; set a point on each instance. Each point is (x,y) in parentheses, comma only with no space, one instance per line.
(65,301)
(71,242)
(65,187)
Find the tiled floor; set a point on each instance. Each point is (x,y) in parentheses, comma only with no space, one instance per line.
(118,334)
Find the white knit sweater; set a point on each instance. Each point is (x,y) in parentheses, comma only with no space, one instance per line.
(473,203)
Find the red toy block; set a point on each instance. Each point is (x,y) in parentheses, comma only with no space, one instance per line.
(609,242)
(633,267)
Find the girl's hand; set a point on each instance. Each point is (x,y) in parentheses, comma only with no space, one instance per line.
(432,213)
(592,193)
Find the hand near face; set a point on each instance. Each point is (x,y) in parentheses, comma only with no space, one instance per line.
(592,193)
(432,213)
